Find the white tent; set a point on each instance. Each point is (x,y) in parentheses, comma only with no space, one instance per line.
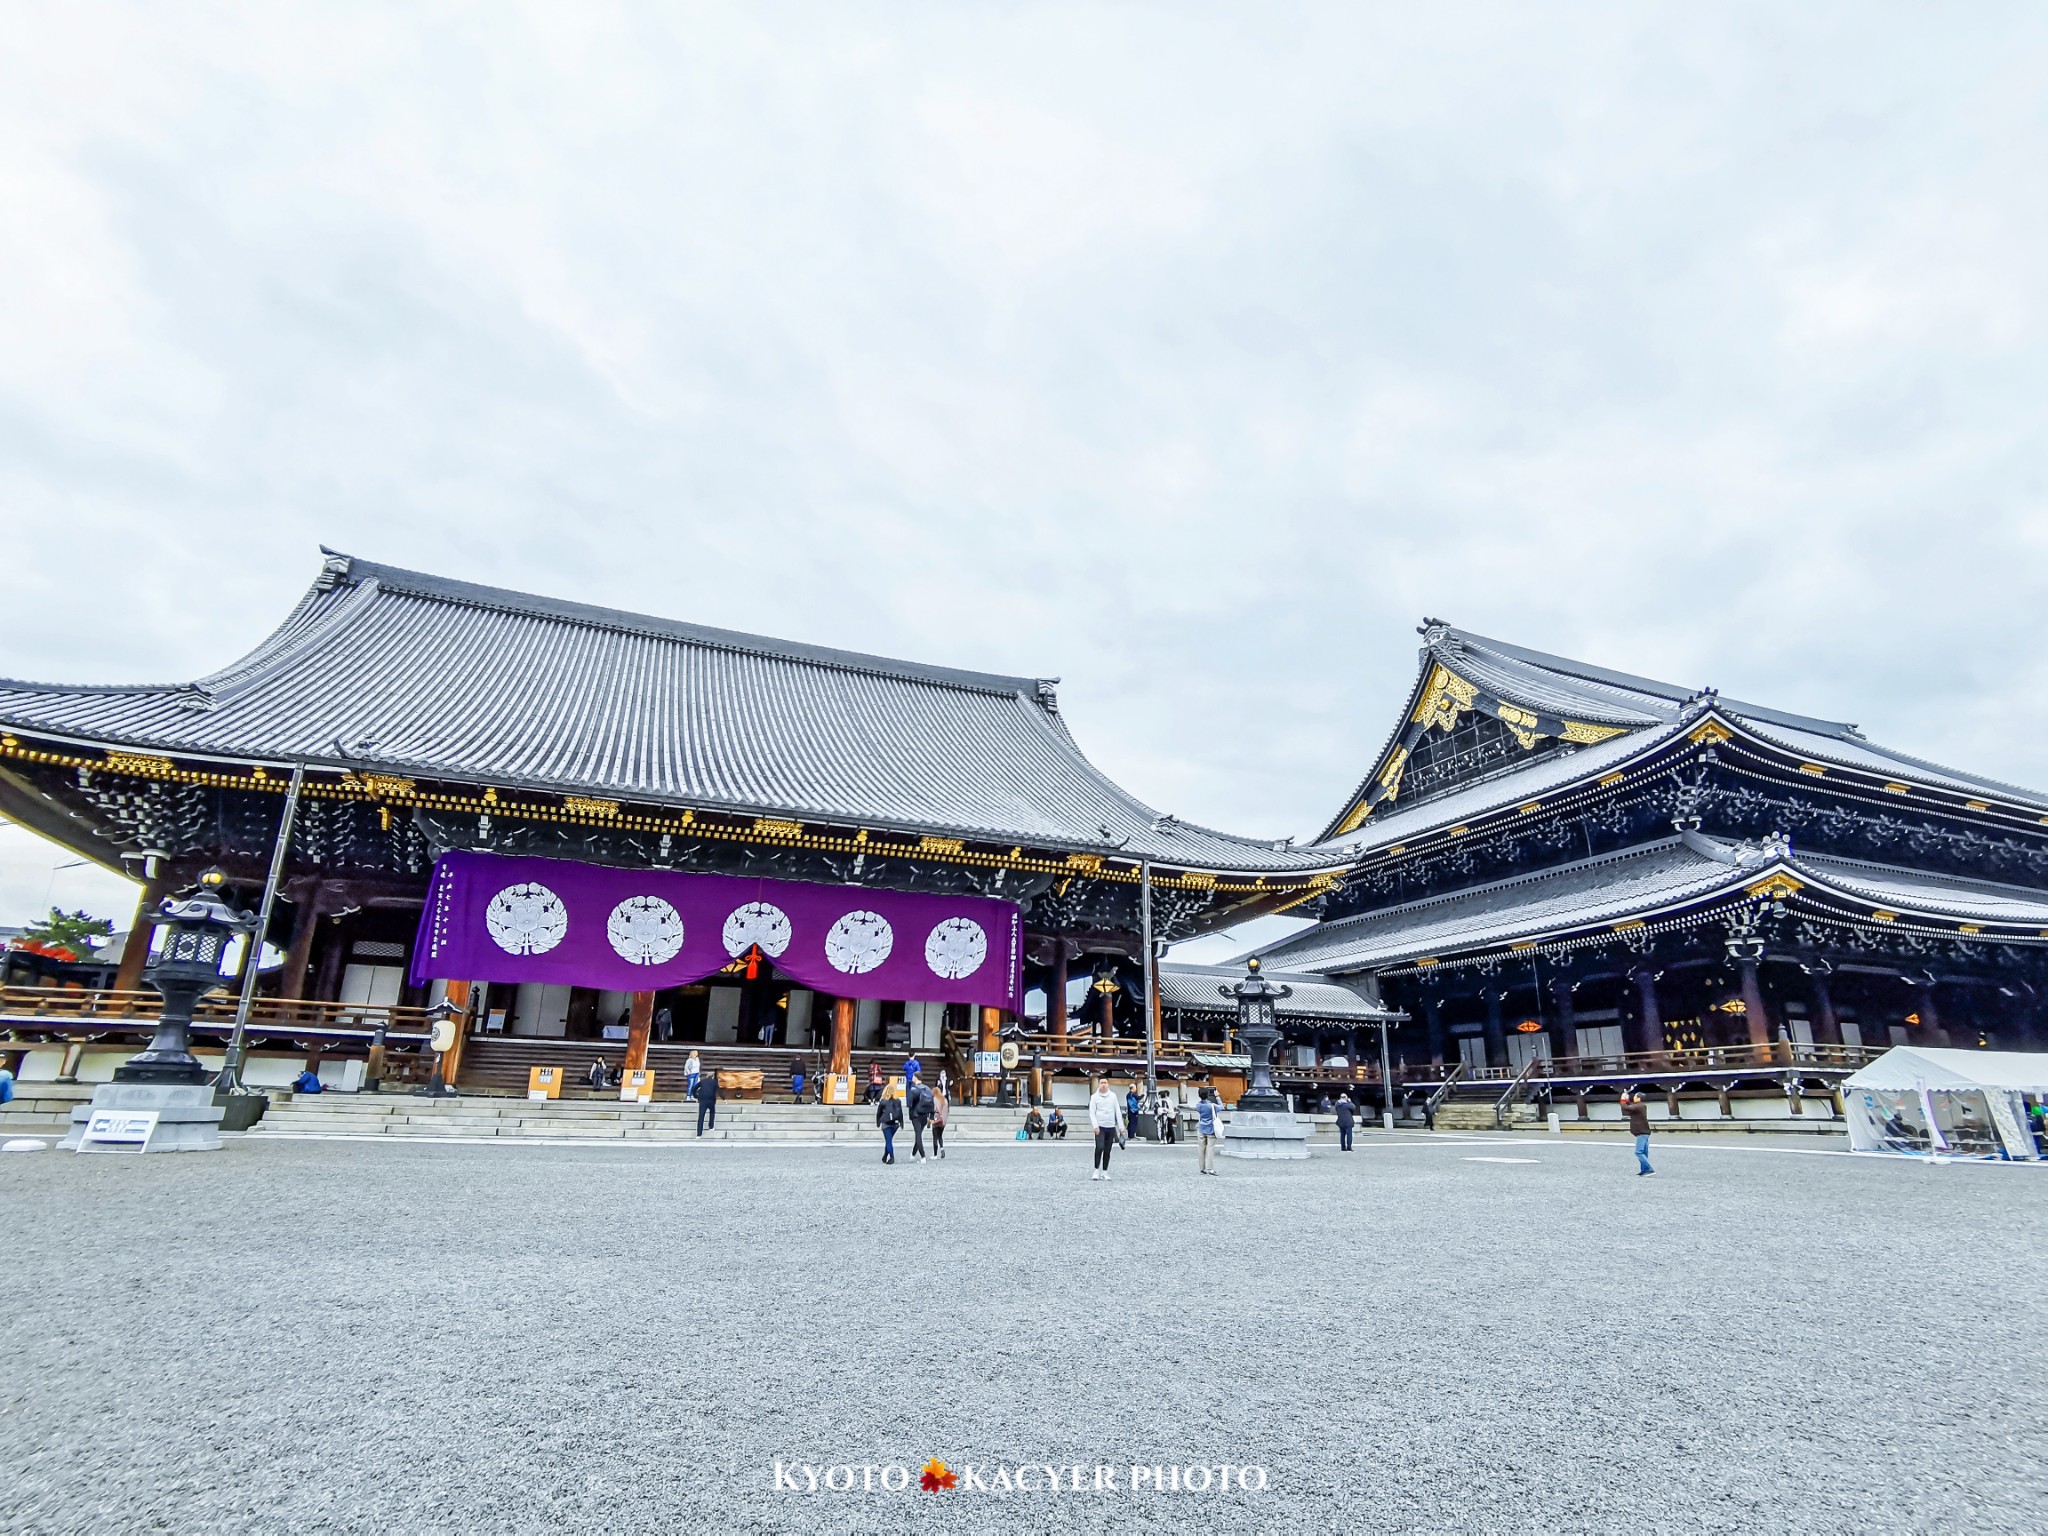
(1960,1103)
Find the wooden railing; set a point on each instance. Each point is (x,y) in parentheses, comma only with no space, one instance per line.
(267,1014)
(1079,1043)
(1777,1055)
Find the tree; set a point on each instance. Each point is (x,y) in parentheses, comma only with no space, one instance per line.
(74,931)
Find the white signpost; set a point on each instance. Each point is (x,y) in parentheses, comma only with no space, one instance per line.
(119,1127)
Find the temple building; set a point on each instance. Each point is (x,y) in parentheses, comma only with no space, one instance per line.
(719,794)
(578,832)
(1579,878)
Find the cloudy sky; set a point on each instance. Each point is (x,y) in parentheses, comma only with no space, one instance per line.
(1193,353)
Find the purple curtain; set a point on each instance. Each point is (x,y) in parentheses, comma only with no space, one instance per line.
(493,918)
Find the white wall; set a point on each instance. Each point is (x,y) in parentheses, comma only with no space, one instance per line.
(371,984)
(796,1029)
(722,1017)
(538,1009)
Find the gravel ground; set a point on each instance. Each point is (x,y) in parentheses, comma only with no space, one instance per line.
(326,1336)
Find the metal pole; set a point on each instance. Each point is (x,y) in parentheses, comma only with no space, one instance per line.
(1386,1078)
(1151,983)
(252,960)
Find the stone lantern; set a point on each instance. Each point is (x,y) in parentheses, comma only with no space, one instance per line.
(161,1098)
(1261,1125)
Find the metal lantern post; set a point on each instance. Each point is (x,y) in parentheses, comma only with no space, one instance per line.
(1258,1027)
(161,1099)
(198,931)
(1261,1125)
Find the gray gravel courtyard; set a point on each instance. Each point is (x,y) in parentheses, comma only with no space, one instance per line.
(393,1337)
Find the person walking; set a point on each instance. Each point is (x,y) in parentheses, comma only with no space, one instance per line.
(706,1094)
(1132,1104)
(1346,1113)
(796,1081)
(664,1025)
(889,1116)
(1106,1115)
(1637,1111)
(940,1109)
(920,1117)
(692,1070)
(912,1070)
(1208,1129)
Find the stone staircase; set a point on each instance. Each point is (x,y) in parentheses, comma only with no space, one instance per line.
(41,1109)
(600,1120)
(1477,1115)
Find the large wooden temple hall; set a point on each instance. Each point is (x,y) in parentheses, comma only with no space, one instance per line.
(438,723)
(1554,879)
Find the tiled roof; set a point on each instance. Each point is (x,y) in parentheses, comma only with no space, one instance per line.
(1642,884)
(1195,988)
(1649,712)
(395,671)
(1650,878)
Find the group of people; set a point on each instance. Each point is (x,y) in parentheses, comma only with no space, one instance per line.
(1038,1127)
(927,1109)
(1113,1121)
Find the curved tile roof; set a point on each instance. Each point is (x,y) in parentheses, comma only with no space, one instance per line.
(1649,878)
(1643,708)
(397,671)
(1194,988)
(1644,882)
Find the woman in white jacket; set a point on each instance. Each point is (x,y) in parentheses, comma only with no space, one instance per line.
(1106,1114)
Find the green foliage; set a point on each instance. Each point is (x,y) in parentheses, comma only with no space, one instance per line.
(69,930)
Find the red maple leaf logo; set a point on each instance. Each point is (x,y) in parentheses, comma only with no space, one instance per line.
(936,1476)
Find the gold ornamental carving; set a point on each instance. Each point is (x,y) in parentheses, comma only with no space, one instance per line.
(584,805)
(1445,697)
(1776,887)
(1711,733)
(140,763)
(1390,776)
(1589,735)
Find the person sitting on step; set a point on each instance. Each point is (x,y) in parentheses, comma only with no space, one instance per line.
(1034,1124)
(1056,1126)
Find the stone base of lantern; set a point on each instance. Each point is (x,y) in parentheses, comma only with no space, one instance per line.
(187,1118)
(1264,1133)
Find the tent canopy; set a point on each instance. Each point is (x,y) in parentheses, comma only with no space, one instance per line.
(1912,1066)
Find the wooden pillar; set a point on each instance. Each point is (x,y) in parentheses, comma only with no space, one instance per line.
(1650,1029)
(1936,1033)
(1056,998)
(1496,1031)
(1753,1003)
(459,994)
(842,1036)
(291,984)
(1827,1025)
(1108,1014)
(991,1039)
(1433,1019)
(128,976)
(639,1023)
(1563,1032)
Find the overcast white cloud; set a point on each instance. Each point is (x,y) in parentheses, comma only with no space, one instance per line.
(1193,353)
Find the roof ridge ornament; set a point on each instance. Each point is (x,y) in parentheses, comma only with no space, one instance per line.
(334,570)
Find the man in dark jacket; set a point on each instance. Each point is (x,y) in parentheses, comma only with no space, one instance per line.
(922,1107)
(707,1101)
(889,1116)
(1346,1112)
(1637,1112)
